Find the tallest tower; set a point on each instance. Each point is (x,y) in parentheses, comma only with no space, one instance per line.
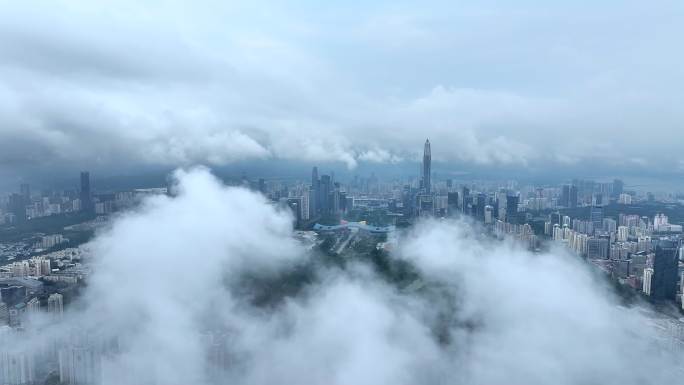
(427,165)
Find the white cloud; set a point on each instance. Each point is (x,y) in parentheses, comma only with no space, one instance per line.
(538,318)
(489,313)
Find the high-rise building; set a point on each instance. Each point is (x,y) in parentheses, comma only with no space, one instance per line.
(648,278)
(481,203)
(622,233)
(665,270)
(465,199)
(618,187)
(20,269)
(596,216)
(86,194)
(33,306)
(660,221)
(427,167)
(305,205)
(25,191)
(17,206)
(295,204)
(218,354)
(17,367)
(4,314)
(312,203)
(80,365)
(56,305)
(501,206)
(42,266)
(453,201)
(512,209)
(625,199)
(326,189)
(597,199)
(315,193)
(573,196)
(598,248)
(565,196)
(609,225)
(681,287)
(335,200)
(488,214)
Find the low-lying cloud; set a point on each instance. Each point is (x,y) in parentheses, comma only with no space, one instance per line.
(175,281)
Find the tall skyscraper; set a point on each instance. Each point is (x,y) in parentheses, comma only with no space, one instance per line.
(314,194)
(326,189)
(512,209)
(86,196)
(665,270)
(335,199)
(314,177)
(427,167)
(481,203)
(565,196)
(17,206)
(465,199)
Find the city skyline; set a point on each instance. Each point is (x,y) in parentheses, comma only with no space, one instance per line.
(586,226)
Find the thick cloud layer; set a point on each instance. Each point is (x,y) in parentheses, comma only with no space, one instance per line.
(179,271)
(540,318)
(167,83)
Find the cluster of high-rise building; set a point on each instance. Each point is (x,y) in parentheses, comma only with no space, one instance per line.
(639,252)
(37,287)
(75,357)
(33,267)
(22,299)
(326,196)
(25,206)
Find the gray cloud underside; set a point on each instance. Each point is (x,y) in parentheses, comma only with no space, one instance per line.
(167,83)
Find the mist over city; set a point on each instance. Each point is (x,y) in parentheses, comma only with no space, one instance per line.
(443,192)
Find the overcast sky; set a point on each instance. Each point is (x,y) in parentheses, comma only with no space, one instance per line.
(492,83)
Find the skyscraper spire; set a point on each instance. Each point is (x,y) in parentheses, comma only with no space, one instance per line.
(427,167)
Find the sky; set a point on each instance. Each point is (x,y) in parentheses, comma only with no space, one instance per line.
(489,312)
(128,85)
